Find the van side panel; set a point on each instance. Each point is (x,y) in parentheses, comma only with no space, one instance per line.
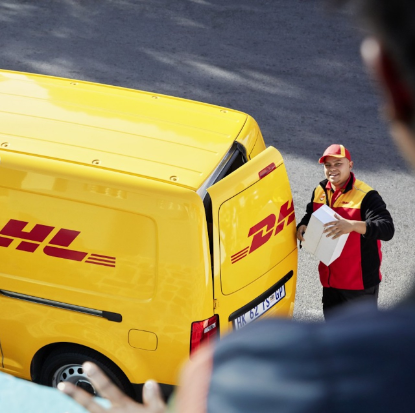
(98,240)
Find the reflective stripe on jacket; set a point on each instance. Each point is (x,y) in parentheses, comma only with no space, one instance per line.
(358,267)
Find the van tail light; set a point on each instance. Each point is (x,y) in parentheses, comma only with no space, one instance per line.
(267,170)
(203,332)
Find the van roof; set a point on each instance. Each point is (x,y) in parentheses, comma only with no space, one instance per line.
(140,133)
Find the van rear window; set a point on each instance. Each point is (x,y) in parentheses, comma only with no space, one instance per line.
(236,158)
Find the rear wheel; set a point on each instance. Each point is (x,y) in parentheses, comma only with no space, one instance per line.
(65,364)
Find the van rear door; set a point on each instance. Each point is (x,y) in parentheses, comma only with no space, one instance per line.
(254,242)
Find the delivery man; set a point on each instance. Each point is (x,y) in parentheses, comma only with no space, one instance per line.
(361,213)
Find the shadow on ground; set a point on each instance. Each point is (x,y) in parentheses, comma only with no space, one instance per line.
(291,65)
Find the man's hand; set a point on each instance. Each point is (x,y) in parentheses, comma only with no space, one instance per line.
(153,401)
(300,231)
(342,226)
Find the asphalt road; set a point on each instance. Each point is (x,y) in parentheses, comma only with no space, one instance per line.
(290,64)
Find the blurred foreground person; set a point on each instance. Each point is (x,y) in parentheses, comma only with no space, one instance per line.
(21,396)
(361,360)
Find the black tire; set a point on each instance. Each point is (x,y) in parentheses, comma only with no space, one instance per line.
(65,364)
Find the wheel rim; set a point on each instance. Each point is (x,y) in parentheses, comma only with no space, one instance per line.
(73,373)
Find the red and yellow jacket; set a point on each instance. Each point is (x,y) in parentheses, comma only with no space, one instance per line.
(358,267)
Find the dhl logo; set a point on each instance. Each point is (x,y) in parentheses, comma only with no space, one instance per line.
(263,231)
(57,247)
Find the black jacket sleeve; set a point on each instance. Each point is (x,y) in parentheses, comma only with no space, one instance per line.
(309,210)
(379,223)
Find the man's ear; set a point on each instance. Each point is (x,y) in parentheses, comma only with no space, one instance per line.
(400,102)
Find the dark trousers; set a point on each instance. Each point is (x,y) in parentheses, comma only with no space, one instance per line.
(334,298)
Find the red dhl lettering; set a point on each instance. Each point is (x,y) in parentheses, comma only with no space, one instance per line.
(265,229)
(57,247)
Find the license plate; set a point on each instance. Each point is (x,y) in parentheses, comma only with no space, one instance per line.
(260,309)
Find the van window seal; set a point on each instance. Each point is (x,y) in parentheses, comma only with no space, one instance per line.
(220,171)
(110,316)
(252,304)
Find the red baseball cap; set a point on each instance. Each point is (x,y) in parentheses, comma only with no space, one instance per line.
(336,150)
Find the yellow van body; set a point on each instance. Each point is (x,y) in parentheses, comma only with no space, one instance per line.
(126,217)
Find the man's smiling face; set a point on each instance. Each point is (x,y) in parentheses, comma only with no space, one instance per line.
(337,170)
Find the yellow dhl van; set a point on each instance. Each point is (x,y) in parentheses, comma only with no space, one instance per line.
(133,227)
